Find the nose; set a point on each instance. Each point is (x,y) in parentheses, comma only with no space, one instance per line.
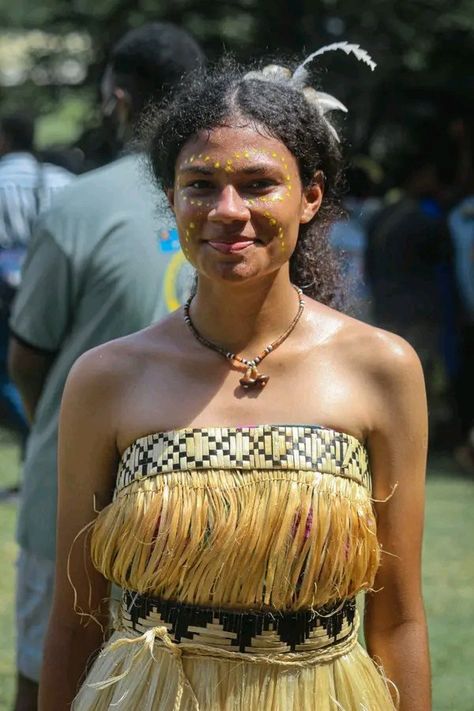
(230,207)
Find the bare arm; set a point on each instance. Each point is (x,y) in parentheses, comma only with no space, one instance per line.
(87,466)
(28,368)
(395,625)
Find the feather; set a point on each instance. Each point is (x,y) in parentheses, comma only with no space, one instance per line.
(301,73)
(272,72)
(276,72)
(333,131)
(325,102)
(254,75)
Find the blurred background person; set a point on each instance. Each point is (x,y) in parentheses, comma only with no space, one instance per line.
(461,223)
(27,185)
(70,158)
(408,265)
(348,236)
(102,263)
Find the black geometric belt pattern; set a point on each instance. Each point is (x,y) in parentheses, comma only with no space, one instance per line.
(239,631)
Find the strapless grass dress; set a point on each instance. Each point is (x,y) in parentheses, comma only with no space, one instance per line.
(239,552)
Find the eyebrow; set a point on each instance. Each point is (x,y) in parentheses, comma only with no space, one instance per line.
(202,170)
(205,170)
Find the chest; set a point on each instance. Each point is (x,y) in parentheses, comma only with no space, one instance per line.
(303,388)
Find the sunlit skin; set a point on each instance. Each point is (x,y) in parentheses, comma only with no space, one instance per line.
(239,203)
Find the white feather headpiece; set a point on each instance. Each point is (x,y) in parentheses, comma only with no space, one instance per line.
(299,78)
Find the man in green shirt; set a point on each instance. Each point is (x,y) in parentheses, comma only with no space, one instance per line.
(103,262)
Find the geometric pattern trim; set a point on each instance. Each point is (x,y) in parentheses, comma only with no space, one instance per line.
(295,447)
(239,631)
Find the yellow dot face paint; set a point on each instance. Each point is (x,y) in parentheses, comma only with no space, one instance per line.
(200,193)
(281,238)
(228,166)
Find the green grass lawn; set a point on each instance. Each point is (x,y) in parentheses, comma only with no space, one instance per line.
(448,578)
(9,464)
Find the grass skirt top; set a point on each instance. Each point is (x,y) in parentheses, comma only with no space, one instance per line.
(240,552)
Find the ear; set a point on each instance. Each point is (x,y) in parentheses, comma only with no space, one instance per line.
(312,198)
(170,196)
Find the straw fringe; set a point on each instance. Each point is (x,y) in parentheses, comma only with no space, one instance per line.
(150,671)
(263,539)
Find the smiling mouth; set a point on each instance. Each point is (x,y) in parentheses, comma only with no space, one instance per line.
(231,247)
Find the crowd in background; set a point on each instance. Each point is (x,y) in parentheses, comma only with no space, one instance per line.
(408,257)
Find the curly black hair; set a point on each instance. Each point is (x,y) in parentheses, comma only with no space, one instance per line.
(213,98)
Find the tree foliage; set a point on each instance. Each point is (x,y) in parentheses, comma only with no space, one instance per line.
(424,50)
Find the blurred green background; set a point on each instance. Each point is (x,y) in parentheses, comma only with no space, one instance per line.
(53,51)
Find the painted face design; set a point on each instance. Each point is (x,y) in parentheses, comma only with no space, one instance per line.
(229,165)
(238,202)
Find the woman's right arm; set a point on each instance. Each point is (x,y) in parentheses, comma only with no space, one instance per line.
(87,460)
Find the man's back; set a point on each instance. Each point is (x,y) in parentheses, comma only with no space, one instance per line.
(96,270)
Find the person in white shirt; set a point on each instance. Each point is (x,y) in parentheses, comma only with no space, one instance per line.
(26,184)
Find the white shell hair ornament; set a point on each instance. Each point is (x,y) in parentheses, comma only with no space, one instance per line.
(299,78)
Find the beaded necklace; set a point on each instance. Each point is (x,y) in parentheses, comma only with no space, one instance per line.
(252,377)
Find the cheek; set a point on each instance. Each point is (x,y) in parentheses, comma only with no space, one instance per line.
(188,228)
(190,218)
(282,225)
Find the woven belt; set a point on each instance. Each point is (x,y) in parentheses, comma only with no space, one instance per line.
(239,631)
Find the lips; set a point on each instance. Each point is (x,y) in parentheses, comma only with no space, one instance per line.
(230,246)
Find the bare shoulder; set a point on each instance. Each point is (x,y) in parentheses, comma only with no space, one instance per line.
(378,354)
(385,356)
(101,385)
(118,362)
(379,368)
(390,378)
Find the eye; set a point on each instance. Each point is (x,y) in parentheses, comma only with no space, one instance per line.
(262,184)
(200,185)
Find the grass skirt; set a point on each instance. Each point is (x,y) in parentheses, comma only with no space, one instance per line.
(150,672)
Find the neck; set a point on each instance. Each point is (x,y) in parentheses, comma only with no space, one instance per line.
(244,317)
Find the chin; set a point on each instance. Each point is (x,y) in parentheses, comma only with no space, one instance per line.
(232,270)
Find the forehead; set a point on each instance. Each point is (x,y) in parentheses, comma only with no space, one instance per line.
(227,141)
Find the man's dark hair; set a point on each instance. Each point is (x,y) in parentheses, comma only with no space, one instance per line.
(149,60)
(19,131)
(207,100)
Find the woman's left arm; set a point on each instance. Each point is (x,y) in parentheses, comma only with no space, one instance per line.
(395,624)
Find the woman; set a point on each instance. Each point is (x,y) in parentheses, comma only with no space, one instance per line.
(242,526)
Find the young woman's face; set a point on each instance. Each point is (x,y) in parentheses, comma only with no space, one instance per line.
(239,203)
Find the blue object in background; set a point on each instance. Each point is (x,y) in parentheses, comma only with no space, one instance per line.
(168,240)
(11,261)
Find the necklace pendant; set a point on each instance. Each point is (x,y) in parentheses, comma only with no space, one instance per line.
(253,378)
